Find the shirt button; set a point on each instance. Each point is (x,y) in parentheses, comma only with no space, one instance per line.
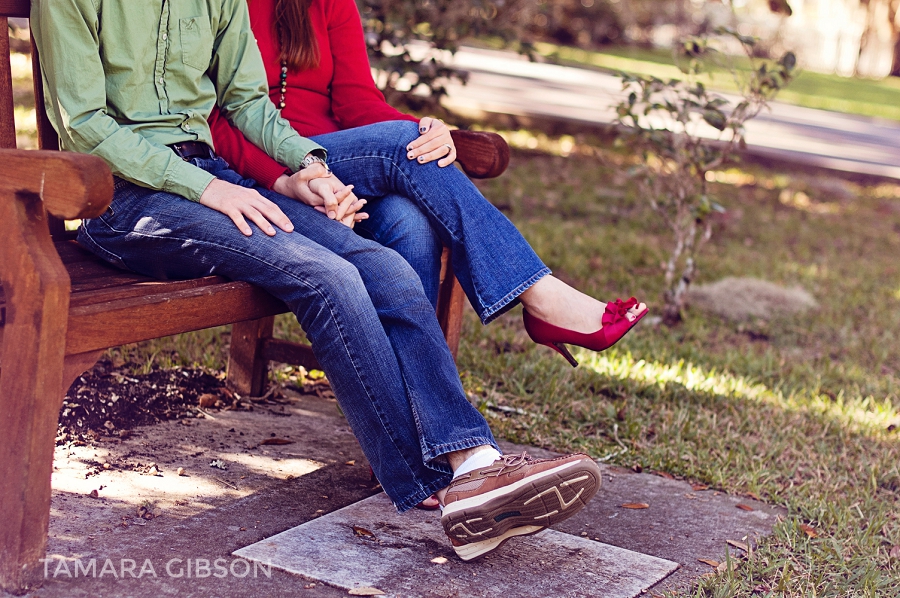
(187,127)
(165,36)
(160,80)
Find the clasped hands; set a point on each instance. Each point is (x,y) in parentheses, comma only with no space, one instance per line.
(315,186)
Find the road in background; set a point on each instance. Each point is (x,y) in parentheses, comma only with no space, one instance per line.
(506,83)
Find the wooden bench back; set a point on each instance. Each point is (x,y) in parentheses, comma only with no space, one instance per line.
(47,138)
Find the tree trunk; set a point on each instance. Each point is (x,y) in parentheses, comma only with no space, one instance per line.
(895,64)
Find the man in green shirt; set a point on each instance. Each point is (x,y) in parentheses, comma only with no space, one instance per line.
(124,80)
(133,81)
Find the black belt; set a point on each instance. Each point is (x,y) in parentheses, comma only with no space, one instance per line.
(192,149)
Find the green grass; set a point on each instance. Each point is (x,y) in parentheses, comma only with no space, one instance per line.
(853,95)
(800,411)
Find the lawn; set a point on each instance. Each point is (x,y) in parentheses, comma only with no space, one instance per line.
(866,97)
(799,411)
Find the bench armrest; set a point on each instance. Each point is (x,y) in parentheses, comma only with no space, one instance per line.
(482,155)
(70,185)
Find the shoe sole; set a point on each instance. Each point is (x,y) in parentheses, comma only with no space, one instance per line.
(541,500)
(476,550)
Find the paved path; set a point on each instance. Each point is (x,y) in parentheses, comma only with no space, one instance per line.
(502,82)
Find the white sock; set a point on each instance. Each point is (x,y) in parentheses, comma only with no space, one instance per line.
(482,458)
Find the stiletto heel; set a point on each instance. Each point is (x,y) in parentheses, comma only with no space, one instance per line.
(615,325)
(564,351)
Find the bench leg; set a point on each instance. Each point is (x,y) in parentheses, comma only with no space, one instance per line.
(450,304)
(37,289)
(248,368)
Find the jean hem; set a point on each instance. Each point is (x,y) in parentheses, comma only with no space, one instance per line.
(460,445)
(511,299)
(423,493)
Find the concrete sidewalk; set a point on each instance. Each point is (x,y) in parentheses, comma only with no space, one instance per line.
(122,505)
(504,83)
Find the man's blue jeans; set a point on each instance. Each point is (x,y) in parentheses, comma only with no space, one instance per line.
(362,306)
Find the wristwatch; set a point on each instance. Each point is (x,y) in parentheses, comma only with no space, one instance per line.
(311,158)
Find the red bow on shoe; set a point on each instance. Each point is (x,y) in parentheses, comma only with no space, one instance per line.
(617,310)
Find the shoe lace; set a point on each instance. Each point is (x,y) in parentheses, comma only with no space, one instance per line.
(506,462)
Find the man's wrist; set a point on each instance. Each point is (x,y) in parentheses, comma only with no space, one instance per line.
(315,157)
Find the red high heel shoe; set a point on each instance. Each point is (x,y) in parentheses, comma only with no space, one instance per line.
(615,326)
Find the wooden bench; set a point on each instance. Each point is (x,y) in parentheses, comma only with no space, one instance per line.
(61,307)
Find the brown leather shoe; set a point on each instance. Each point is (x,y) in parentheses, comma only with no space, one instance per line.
(514,496)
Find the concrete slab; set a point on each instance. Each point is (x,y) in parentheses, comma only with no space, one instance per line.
(682,522)
(210,512)
(368,544)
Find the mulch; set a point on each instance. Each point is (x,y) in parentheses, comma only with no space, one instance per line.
(110,401)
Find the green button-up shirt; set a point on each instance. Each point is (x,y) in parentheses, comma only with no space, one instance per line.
(125,78)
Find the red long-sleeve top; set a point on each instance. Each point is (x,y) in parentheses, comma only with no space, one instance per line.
(338,94)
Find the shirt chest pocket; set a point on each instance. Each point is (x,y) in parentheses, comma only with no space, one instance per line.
(196,42)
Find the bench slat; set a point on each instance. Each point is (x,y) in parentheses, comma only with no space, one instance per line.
(101,325)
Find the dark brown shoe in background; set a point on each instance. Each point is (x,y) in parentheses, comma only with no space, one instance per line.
(514,496)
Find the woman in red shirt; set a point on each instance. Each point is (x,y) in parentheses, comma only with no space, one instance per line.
(326,87)
(318,74)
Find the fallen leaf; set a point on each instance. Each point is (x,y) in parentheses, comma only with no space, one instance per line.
(809,530)
(725,566)
(363,532)
(366,592)
(351,462)
(208,400)
(709,562)
(699,487)
(94,494)
(744,507)
(753,495)
(895,552)
(635,505)
(180,471)
(440,560)
(737,544)
(276,441)
(663,474)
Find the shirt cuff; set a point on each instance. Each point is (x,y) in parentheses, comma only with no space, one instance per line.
(292,151)
(187,180)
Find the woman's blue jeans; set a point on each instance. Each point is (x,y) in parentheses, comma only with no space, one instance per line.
(362,306)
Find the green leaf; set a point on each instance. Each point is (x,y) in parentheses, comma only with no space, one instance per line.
(715,119)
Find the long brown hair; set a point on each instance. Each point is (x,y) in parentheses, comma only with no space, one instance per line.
(293,26)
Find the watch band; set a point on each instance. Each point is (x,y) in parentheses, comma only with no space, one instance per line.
(311,159)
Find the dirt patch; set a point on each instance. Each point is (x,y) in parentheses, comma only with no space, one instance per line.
(109,401)
(744,298)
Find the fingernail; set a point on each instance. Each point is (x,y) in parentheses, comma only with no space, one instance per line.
(421,158)
(271,230)
(408,147)
(332,214)
(422,129)
(409,155)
